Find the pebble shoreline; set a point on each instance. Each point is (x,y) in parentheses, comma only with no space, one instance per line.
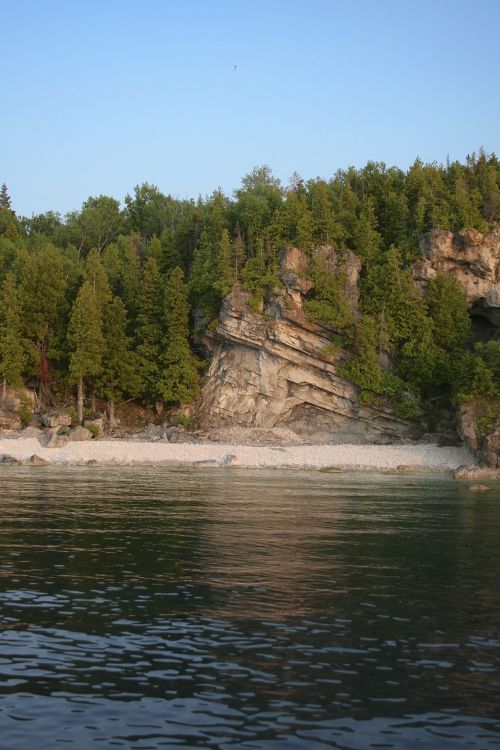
(323,456)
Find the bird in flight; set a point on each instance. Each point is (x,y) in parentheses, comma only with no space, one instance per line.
(235,67)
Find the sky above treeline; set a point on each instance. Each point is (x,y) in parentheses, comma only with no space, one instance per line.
(98,97)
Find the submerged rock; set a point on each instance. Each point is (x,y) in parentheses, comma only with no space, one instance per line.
(38,460)
(476,473)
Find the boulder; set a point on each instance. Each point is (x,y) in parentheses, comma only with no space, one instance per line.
(230,460)
(95,425)
(179,435)
(35,460)
(489,454)
(53,438)
(467,426)
(79,433)
(31,432)
(6,458)
(153,430)
(55,419)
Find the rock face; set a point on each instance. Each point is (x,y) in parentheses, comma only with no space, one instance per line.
(484,444)
(274,370)
(470,257)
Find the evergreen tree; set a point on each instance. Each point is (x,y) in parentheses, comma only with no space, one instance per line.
(203,279)
(117,375)
(367,241)
(237,253)
(447,307)
(12,351)
(329,306)
(226,275)
(95,274)
(150,330)
(179,376)
(85,340)
(5,201)
(325,227)
(42,291)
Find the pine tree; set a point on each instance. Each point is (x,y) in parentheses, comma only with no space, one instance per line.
(179,376)
(42,291)
(118,374)
(12,352)
(237,253)
(225,271)
(5,201)
(96,275)
(85,339)
(366,239)
(150,329)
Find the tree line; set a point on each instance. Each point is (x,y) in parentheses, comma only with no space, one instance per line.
(107,299)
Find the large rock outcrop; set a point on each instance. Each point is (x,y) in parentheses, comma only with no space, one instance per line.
(470,257)
(274,369)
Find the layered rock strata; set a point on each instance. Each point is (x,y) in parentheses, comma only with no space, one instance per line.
(470,257)
(274,369)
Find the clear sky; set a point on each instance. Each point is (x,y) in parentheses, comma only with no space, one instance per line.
(100,96)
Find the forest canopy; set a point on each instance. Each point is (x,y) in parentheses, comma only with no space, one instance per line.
(109,299)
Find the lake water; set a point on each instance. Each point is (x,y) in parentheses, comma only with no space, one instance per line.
(174,608)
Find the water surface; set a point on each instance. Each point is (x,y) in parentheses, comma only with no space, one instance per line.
(159,607)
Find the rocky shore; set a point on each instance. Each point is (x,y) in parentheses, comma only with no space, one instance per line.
(430,457)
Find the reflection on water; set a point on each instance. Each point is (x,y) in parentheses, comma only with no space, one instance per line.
(155,607)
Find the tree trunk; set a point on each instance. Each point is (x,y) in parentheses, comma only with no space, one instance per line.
(4,390)
(80,401)
(111,414)
(92,403)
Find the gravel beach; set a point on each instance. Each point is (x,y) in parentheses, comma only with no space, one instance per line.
(325,456)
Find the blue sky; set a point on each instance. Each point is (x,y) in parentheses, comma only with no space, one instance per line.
(100,96)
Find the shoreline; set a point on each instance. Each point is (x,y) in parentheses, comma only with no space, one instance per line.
(343,457)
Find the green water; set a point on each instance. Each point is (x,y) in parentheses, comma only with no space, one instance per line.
(155,607)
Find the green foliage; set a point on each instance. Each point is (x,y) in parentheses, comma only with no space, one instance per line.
(26,412)
(85,335)
(376,211)
(329,306)
(447,308)
(178,381)
(149,330)
(73,414)
(409,408)
(184,421)
(12,348)
(480,372)
(93,429)
(118,369)
(5,198)
(489,415)
(364,368)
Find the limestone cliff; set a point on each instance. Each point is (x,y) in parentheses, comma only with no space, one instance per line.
(472,258)
(273,368)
